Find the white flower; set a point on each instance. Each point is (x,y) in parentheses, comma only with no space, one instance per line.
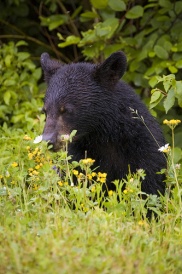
(65,137)
(164,148)
(38,139)
(178,166)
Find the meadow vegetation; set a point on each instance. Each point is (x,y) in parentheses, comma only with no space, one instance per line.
(48,224)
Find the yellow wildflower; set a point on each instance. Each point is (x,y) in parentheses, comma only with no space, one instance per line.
(171,123)
(26,137)
(88,161)
(30,156)
(142,223)
(60,183)
(125,191)
(103,175)
(35,187)
(15,164)
(93,189)
(75,172)
(94,174)
(102,180)
(35,172)
(89,176)
(110,192)
(1,176)
(37,166)
(81,176)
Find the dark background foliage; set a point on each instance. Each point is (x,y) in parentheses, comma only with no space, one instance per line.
(149,32)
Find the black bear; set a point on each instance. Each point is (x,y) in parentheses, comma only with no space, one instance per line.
(94,101)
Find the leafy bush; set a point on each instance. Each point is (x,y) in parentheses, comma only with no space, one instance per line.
(20,98)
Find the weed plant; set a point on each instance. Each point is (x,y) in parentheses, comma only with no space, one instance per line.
(55,217)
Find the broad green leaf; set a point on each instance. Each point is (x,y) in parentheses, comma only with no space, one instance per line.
(173,69)
(169,100)
(135,12)
(153,81)
(179,92)
(107,28)
(151,54)
(177,155)
(70,40)
(166,4)
(37,73)
(161,52)
(178,7)
(156,97)
(179,64)
(16,118)
(23,55)
(21,43)
(89,15)
(117,5)
(6,97)
(99,4)
(7,60)
(167,81)
(104,31)
(9,82)
(53,21)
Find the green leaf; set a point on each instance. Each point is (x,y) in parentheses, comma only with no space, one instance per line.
(117,5)
(99,4)
(179,92)
(156,97)
(23,56)
(173,69)
(153,81)
(7,60)
(21,43)
(53,21)
(70,40)
(166,4)
(179,64)
(89,15)
(161,52)
(107,28)
(6,97)
(167,81)
(169,101)
(135,12)
(177,155)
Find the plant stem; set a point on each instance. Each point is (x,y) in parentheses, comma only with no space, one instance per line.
(174,170)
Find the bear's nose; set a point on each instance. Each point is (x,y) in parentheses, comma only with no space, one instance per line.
(49,138)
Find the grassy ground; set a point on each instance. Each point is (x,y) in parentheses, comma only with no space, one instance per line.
(40,232)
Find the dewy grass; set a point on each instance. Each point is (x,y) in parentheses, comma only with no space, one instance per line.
(50,224)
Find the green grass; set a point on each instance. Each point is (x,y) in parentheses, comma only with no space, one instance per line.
(48,226)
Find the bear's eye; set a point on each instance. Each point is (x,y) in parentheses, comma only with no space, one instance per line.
(62,110)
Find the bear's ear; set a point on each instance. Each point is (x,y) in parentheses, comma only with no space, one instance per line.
(112,69)
(49,65)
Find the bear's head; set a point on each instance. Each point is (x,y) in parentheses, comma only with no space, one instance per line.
(79,96)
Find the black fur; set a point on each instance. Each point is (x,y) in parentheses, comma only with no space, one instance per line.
(91,99)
